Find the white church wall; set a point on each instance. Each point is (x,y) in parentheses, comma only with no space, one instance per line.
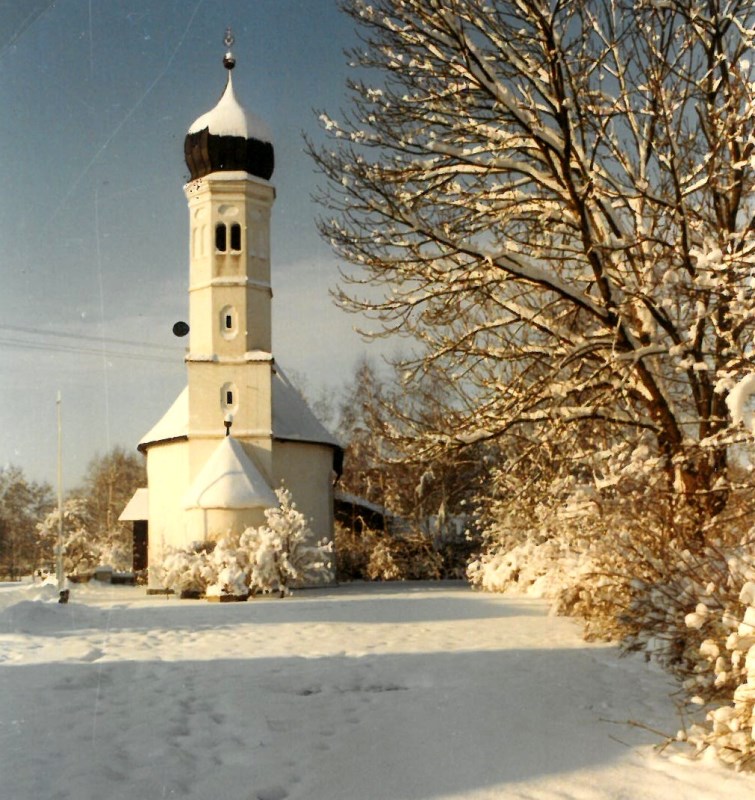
(307,471)
(168,478)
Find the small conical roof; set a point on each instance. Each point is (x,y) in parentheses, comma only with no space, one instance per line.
(229,480)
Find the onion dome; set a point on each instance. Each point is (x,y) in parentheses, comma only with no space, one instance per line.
(228,138)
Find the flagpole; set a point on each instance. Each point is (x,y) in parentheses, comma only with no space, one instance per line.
(63,598)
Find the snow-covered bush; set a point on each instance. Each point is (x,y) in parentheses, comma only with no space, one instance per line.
(542,569)
(728,665)
(189,570)
(85,546)
(536,535)
(282,552)
(270,558)
(228,570)
(116,553)
(625,569)
(621,557)
(723,623)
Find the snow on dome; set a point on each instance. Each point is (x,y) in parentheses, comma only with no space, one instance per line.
(227,139)
(229,118)
(229,479)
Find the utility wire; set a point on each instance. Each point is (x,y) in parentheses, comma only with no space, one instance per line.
(62,348)
(64,335)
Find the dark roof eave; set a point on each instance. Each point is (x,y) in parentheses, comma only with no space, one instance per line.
(144,446)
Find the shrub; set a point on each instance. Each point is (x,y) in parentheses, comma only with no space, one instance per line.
(227,570)
(379,556)
(417,558)
(188,570)
(352,552)
(727,669)
(382,566)
(282,552)
(624,561)
(270,558)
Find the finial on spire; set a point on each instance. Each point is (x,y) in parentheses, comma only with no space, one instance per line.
(229,62)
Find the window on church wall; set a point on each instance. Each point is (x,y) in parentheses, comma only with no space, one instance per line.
(228,322)
(221,244)
(229,397)
(236,237)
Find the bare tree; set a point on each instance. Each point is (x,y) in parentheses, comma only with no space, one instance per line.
(378,418)
(554,199)
(109,483)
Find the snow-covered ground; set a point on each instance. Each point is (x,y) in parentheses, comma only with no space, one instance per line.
(363,692)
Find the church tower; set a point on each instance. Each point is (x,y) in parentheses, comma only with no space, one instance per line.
(239,429)
(230,158)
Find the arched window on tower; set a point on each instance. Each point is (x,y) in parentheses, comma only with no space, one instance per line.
(228,322)
(229,397)
(236,237)
(221,244)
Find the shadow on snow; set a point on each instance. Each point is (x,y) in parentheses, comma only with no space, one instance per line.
(383,727)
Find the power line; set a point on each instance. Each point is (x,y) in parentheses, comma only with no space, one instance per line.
(65,335)
(62,348)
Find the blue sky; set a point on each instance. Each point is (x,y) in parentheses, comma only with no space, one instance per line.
(96,98)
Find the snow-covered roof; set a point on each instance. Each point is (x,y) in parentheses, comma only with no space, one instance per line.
(355,500)
(137,507)
(174,424)
(229,479)
(293,420)
(229,118)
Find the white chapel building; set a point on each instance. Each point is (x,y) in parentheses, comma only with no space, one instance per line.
(239,429)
